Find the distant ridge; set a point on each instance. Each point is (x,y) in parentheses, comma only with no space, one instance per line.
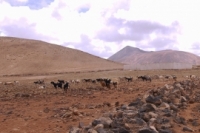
(125,52)
(24,56)
(131,55)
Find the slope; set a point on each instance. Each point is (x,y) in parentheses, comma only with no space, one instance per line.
(23,56)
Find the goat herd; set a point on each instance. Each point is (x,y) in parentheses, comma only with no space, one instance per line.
(104,82)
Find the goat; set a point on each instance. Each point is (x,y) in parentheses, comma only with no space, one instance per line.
(174,77)
(57,85)
(61,81)
(54,84)
(16,82)
(87,80)
(115,82)
(42,87)
(145,77)
(8,83)
(129,78)
(66,86)
(192,76)
(104,82)
(39,82)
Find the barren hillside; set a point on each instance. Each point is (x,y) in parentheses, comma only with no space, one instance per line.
(130,55)
(23,56)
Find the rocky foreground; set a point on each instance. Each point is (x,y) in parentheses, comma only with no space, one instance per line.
(155,112)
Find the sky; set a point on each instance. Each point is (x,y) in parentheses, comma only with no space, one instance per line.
(102,28)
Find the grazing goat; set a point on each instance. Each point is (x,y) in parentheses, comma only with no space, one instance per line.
(174,77)
(75,81)
(16,82)
(61,81)
(115,82)
(66,86)
(39,82)
(42,87)
(56,85)
(87,80)
(192,76)
(8,83)
(129,79)
(145,77)
(104,82)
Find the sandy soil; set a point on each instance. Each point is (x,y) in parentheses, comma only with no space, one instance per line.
(25,108)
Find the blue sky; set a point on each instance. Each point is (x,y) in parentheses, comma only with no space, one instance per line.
(32,4)
(104,27)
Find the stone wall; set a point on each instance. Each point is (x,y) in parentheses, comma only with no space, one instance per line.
(157,66)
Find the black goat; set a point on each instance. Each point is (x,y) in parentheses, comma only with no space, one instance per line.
(108,82)
(145,78)
(66,86)
(54,84)
(57,85)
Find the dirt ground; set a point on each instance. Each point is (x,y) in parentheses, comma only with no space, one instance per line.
(27,108)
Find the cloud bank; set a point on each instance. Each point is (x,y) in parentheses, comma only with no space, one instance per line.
(103,28)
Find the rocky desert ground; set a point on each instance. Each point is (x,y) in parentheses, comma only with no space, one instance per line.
(162,105)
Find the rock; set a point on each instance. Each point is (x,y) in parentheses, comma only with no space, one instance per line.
(187,129)
(81,125)
(123,107)
(180,120)
(148,107)
(66,114)
(115,124)
(152,124)
(98,126)
(116,104)
(123,130)
(164,105)
(173,107)
(106,121)
(126,125)
(165,131)
(166,126)
(195,123)
(183,99)
(119,114)
(145,116)
(130,115)
(9,112)
(107,104)
(96,122)
(74,130)
(146,130)
(137,102)
(75,112)
(92,131)
(90,106)
(139,121)
(153,100)
(101,130)
(153,115)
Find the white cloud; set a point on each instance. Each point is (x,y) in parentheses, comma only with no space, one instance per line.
(24,1)
(104,27)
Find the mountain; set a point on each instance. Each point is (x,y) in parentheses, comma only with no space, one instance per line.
(24,56)
(131,55)
(125,52)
